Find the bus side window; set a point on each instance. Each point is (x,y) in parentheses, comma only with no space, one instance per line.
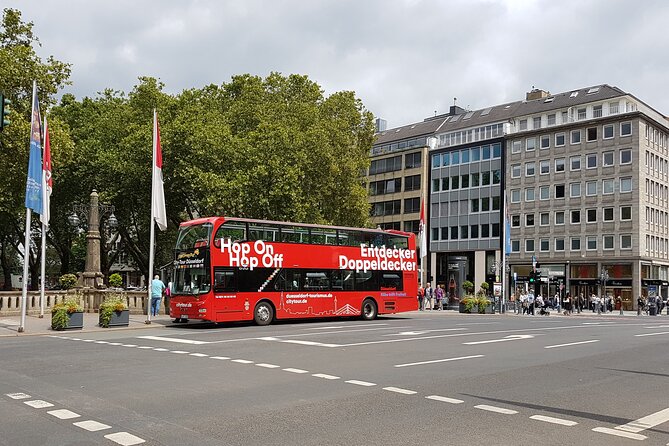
(224,280)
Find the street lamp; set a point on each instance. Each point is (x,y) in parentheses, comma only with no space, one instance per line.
(92,274)
(603,277)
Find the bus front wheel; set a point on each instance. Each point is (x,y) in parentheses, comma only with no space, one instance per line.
(369,310)
(263,314)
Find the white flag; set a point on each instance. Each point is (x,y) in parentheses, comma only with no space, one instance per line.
(157,192)
(422,231)
(47,181)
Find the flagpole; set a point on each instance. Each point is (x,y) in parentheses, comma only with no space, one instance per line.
(26,261)
(153,224)
(44,229)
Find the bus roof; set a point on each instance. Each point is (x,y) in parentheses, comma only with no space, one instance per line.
(213,220)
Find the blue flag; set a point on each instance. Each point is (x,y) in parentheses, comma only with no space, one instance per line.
(34,183)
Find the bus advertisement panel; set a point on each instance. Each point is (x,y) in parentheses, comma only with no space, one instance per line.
(239,269)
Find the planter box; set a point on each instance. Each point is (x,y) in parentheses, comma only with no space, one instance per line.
(119,319)
(474,310)
(74,320)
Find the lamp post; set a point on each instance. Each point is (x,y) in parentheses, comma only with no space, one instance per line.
(95,210)
(603,276)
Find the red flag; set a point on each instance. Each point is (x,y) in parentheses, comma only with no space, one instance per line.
(157,191)
(47,181)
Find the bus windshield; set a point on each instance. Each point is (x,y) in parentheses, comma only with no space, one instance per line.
(196,236)
(192,281)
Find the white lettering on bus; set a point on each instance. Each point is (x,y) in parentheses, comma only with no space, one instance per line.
(380,258)
(246,255)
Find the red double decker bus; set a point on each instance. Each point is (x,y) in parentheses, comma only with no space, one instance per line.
(237,269)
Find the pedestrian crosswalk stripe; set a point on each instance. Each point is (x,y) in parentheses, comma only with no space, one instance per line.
(63,414)
(18,396)
(92,426)
(124,439)
(38,404)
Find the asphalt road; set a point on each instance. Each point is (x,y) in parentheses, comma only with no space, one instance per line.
(423,378)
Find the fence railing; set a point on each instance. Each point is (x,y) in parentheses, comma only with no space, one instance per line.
(90,300)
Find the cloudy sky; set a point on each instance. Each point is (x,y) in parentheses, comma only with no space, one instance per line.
(406,59)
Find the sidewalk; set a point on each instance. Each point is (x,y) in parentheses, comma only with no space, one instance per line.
(9,326)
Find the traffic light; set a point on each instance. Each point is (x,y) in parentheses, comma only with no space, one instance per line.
(4,111)
(532,276)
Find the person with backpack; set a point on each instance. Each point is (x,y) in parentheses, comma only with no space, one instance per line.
(439,296)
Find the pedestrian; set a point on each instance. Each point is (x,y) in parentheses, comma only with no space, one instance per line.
(567,304)
(619,301)
(439,296)
(157,290)
(639,305)
(421,295)
(428,296)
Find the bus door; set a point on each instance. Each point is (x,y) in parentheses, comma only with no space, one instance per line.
(226,299)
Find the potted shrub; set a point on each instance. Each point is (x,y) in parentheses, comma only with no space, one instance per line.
(484,305)
(115,280)
(67,281)
(468,287)
(114,312)
(468,305)
(67,314)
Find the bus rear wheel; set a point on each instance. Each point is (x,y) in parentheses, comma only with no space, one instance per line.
(369,310)
(263,314)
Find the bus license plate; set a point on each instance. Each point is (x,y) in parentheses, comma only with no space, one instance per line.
(184,316)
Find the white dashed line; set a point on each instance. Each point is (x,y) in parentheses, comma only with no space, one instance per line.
(63,414)
(199,355)
(18,396)
(89,340)
(572,343)
(128,345)
(360,383)
(91,426)
(115,343)
(652,334)
(553,420)
(324,376)
(177,340)
(647,422)
(222,358)
(101,342)
(38,404)
(144,347)
(438,360)
(179,352)
(160,350)
(399,390)
(291,370)
(496,409)
(242,361)
(268,366)
(124,439)
(444,399)
(618,433)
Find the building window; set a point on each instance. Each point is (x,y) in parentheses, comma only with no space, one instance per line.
(544,219)
(446,183)
(544,193)
(607,214)
(516,146)
(485,204)
(607,159)
(529,194)
(455,182)
(559,165)
(435,185)
(411,205)
(544,167)
(575,244)
(536,123)
(530,144)
(387,165)
(529,245)
(591,215)
(412,183)
(597,111)
(575,163)
(551,119)
(515,245)
(575,137)
(515,221)
(515,196)
(515,171)
(626,156)
(464,232)
(625,185)
(559,191)
(559,217)
(590,188)
(485,230)
(559,139)
(529,169)
(608,187)
(496,176)
(385,186)
(476,154)
(559,244)
(475,180)
(412,226)
(626,241)
(625,128)
(544,245)
(607,131)
(581,114)
(464,156)
(575,190)
(613,108)
(495,229)
(485,178)
(591,243)
(464,181)
(626,212)
(575,217)
(495,203)
(529,220)
(454,233)
(475,205)
(523,124)
(446,160)
(545,142)
(607,241)
(591,161)
(412,160)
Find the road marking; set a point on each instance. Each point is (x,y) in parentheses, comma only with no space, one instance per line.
(63,414)
(360,383)
(268,366)
(324,376)
(399,390)
(334,327)
(101,342)
(646,422)
(179,352)
(199,355)
(180,341)
(606,430)
(438,360)
(160,350)
(222,358)
(651,334)
(415,333)
(128,345)
(92,426)
(504,339)
(38,404)
(89,340)
(553,420)
(295,341)
(241,361)
(18,396)
(572,343)
(124,439)
(291,370)
(657,326)
(496,409)
(115,343)
(444,399)
(144,347)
